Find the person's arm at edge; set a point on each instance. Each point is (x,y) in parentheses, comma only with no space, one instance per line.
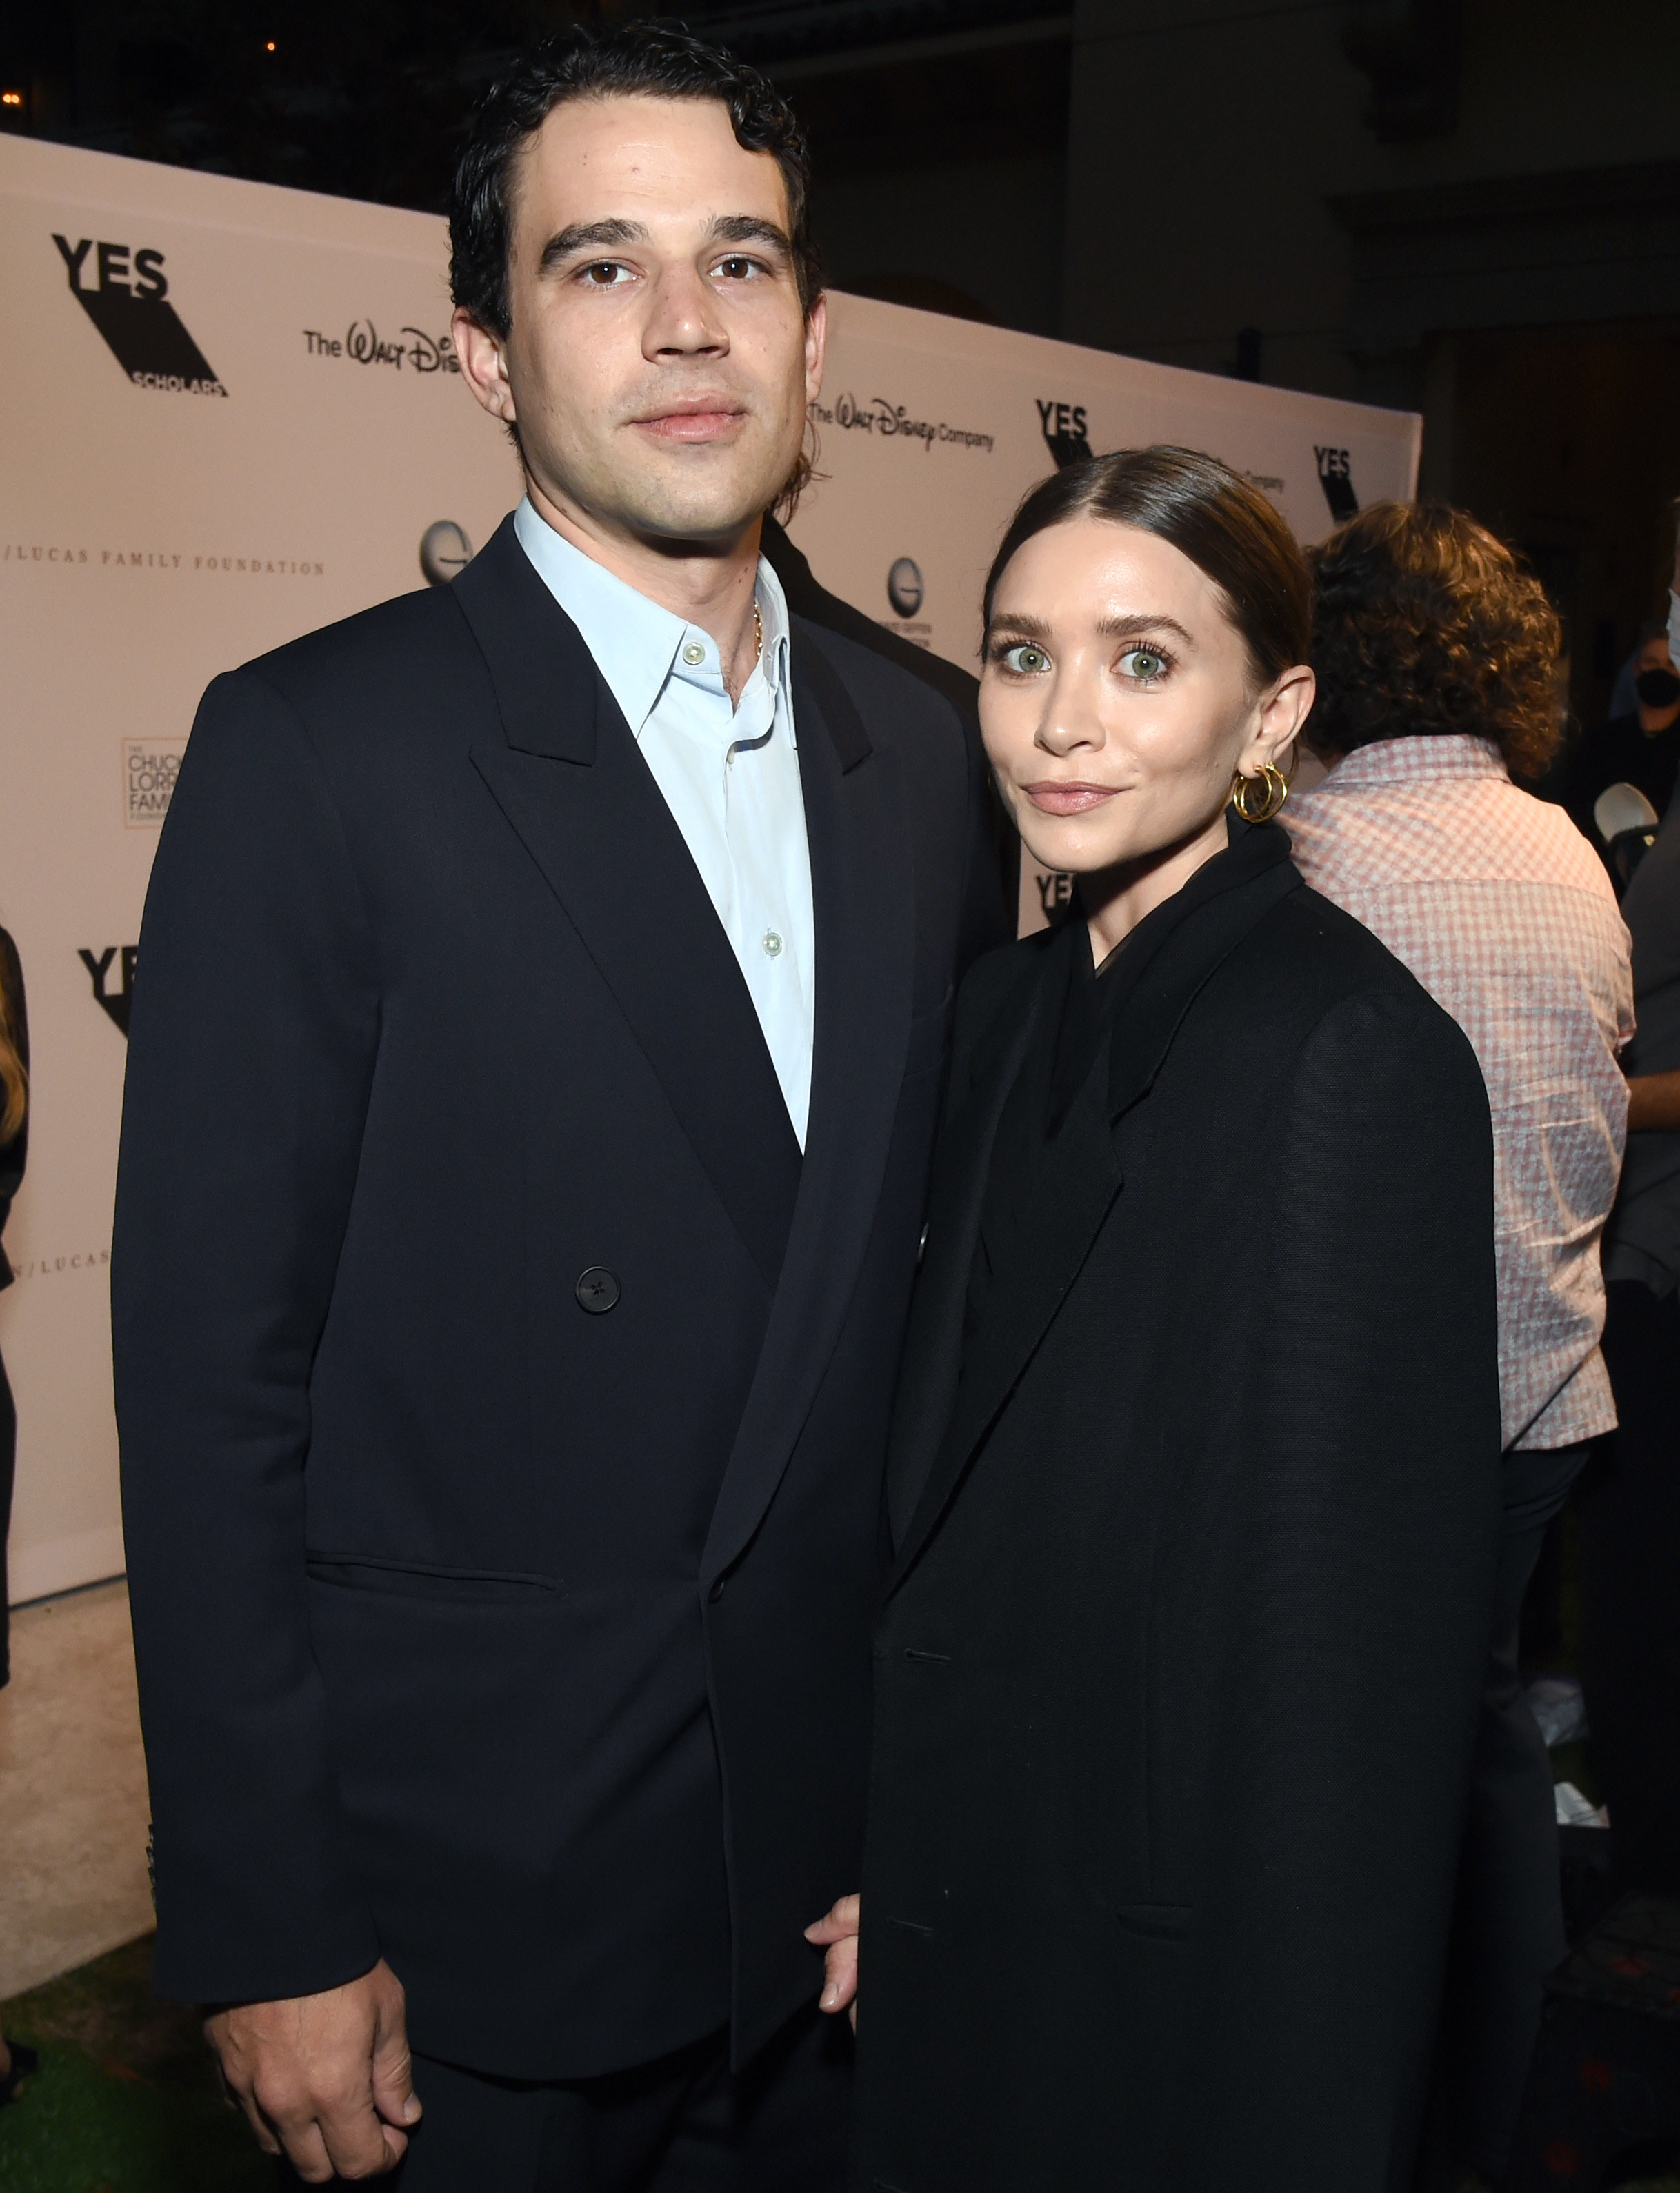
(252,1036)
(1653,1102)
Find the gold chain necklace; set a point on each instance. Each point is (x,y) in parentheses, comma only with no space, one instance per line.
(758,628)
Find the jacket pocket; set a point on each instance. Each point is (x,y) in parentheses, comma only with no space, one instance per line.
(428,1580)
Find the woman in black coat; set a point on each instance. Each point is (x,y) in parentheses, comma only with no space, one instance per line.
(1194,1487)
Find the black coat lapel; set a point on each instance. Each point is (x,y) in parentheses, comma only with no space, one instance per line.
(933,1345)
(570,778)
(863,893)
(1189,938)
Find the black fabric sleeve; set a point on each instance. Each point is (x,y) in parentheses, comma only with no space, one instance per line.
(253,1033)
(1368,1386)
(13,1153)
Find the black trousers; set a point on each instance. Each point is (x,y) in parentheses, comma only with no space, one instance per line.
(1629,1511)
(1508,1921)
(683,2124)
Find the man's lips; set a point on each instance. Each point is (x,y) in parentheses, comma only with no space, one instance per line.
(698,419)
(1058,798)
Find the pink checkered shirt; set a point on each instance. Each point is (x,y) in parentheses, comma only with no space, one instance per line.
(1503,911)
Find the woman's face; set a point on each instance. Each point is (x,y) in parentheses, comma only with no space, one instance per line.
(1117,699)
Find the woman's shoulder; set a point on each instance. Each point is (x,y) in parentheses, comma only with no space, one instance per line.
(1311,963)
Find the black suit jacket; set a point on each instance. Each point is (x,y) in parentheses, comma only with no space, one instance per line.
(520,1638)
(1177,1677)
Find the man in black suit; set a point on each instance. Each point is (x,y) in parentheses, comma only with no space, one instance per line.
(546,998)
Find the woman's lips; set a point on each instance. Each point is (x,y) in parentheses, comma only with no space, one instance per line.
(1068,798)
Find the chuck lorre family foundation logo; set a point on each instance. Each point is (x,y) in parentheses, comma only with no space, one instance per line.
(125,293)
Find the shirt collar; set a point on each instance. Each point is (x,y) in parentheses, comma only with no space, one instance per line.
(1415,758)
(639,646)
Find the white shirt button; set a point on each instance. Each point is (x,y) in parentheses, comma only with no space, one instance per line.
(694,652)
(772,943)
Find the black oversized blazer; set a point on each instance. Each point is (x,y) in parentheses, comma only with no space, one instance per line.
(513,1629)
(1177,1678)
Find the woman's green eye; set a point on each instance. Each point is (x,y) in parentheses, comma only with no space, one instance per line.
(1143,663)
(1025,658)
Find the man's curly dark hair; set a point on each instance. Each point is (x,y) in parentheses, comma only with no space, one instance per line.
(1424,625)
(658,60)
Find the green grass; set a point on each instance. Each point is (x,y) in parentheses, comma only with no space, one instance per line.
(126,2099)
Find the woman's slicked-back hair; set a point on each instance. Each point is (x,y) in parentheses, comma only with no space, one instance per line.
(657,61)
(1208,512)
(1425,623)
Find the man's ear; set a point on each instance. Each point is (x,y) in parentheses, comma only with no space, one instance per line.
(816,346)
(484,364)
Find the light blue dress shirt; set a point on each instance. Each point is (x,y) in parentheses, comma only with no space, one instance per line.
(730,775)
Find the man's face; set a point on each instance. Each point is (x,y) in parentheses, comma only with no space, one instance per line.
(659,364)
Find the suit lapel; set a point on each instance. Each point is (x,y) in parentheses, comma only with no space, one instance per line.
(1080,1176)
(861,893)
(571,780)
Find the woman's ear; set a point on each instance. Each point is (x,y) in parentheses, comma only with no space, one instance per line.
(1279,715)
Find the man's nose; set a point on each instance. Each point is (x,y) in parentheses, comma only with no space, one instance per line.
(684,317)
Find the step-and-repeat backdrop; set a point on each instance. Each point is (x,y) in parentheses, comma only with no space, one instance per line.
(230,414)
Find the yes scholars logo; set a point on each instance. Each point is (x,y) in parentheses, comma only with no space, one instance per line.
(1065,430)
(125,293)
(112,973)
(1336,478)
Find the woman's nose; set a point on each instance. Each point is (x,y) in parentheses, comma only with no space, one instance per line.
(1070,720)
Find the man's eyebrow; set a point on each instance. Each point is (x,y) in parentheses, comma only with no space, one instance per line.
(750,228)
(589,236)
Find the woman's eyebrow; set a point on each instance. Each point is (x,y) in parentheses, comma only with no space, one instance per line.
(1129,628)
(1033,628)
(1114,627)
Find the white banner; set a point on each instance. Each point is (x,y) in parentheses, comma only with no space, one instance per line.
(231,415)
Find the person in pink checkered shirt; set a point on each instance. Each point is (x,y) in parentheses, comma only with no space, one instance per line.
(1437,660)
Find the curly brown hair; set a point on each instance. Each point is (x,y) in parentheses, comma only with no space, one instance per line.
(1424,625)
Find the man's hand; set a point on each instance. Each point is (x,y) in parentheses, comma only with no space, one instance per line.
(325,2079)
(838,1934)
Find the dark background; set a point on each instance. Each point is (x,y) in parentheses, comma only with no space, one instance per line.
(1469,208)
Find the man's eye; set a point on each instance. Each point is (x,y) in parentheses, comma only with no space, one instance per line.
(737,269)
(1143,663)
(606,274)
(1025,660)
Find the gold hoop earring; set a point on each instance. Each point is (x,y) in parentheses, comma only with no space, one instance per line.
(1276,791)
